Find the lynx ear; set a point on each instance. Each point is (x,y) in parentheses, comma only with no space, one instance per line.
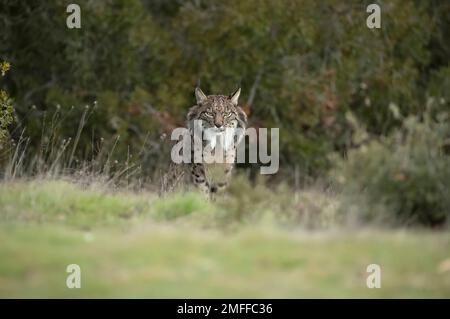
(199,95)
(235,96)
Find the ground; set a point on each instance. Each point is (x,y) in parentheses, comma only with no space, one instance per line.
(139,245)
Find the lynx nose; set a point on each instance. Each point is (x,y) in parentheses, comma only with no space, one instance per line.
(218,121)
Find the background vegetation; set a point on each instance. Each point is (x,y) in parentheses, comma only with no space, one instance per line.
(302,66)
(364,132)
(126,78)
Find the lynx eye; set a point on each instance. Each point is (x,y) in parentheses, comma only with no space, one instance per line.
(228,114)
(208,114)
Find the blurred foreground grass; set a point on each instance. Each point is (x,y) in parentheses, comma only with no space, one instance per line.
(140,245)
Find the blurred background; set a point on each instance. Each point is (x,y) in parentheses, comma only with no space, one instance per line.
(302,66)
(363,113)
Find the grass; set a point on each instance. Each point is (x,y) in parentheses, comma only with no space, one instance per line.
(140,245)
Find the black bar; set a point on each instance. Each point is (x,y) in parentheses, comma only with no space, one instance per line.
(225,308)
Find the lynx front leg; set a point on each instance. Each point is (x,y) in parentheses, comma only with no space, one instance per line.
(199,178)
(228,169)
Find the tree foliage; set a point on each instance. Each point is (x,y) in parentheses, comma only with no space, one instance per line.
(302,66)
(6,108)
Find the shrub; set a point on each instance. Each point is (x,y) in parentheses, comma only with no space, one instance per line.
(301,65)
(253,203)
(6,108)
(403,178)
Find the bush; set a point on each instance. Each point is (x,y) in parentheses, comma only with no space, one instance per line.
(301,64)
(6,108)
(258,203)
(403,178)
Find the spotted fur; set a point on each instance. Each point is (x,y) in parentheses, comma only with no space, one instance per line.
(219,112)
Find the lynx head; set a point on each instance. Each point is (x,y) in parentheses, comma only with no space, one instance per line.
(218,111)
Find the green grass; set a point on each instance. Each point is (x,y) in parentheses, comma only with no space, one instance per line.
(139,245)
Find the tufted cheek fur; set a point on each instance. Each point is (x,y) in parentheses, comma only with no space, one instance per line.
(231,122)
